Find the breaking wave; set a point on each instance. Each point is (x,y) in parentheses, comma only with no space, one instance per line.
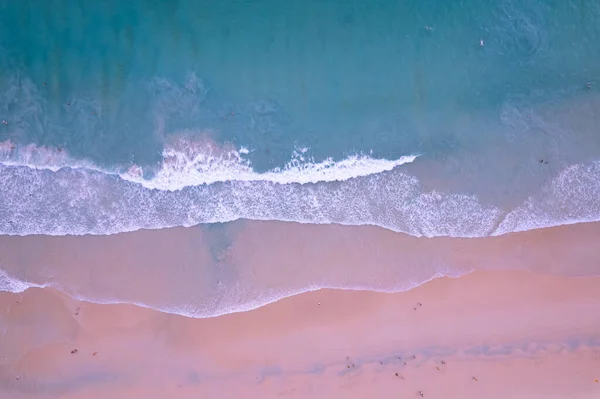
(47,192)
(193,163)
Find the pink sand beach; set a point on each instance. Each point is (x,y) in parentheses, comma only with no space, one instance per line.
(524,329)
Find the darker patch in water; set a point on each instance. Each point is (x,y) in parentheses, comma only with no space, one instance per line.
(474,351)
(436,351)
(573,343)
(316,369)
(269,371)
(193,378)
(593,341)
(220,238)
(348,20)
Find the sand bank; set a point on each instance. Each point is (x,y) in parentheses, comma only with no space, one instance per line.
(492,334)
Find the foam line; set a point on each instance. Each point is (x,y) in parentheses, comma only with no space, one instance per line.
(11,284)
(189,164)
(78,199)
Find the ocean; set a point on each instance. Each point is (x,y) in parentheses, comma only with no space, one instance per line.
(424,117)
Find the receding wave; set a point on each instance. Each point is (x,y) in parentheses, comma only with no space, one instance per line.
(44,191)
(12,284)
(195,310)
(211,270)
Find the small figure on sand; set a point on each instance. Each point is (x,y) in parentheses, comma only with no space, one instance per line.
(349,364)
(475,379)
(74,351)
(421,394)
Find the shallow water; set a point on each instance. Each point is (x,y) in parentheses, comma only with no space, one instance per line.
(211,270)
(430,118)
(107,100)
(337,77)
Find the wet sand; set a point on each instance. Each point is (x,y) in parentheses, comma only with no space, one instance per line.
(489,334)
(215,269)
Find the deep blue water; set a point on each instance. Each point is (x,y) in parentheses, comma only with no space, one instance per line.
(498,98)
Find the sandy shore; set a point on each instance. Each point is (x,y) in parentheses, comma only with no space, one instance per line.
(490,334)
(216,269)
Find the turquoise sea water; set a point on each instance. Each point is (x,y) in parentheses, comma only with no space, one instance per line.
(121,115)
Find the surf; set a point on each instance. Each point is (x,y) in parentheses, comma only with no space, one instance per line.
(194,163)
(46,191)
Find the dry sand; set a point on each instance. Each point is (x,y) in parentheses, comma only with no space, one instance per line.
(490,334)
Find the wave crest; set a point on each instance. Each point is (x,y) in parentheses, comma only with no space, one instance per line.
(188,163)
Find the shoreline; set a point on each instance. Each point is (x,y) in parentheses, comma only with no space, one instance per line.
(496,326)
(208,271)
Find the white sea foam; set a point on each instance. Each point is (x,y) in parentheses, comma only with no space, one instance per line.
(572,197)
(41,158)
(15,285)
(225,306)
(204,183)
(191,163)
